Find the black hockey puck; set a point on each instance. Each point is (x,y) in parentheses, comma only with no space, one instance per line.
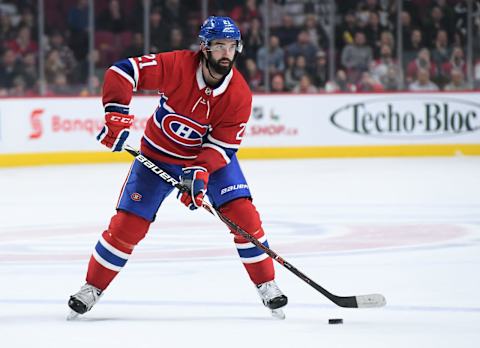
(335,321)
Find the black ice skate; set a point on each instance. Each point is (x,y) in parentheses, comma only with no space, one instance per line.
(83,300)
(273,298)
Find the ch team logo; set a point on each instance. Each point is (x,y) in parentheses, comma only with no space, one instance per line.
(183,130)
(137,197)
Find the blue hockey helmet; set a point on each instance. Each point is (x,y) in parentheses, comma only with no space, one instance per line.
(217,28)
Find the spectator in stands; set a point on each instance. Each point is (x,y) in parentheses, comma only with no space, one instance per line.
(9,69)
(288,74)
(29,71)
(295,71)
(423,82)
(136,47)
(78,25)
(59,85)
(176,41)
(320,73)
(456,61)
(18,88)
(159,31)
(275,56)
(305,85)
(275,11)
(386,38)
(476,75)
(356,57)
(174,13)
(448,12)
(441,51)
(415,45)
(287,32)
(346,31)
(78,16)
(362,15)
(54,66)
(28,19)
(303,47)
(253,39)
(316,32)
(407,29)
(422,61)
(391,81)
(340,84)
(371,6)
(457,82)
(253,76)
(23,43)
(65,55)
(112,19)
(368,84)
(435,23)
(245,12)
(6,30)
(373,31)
(380,67)
(278,83)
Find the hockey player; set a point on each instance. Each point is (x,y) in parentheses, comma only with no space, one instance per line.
(193,134)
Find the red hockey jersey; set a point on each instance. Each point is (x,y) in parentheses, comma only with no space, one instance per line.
(193,124)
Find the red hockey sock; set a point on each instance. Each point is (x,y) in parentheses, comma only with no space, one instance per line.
(258,264)
(115,247)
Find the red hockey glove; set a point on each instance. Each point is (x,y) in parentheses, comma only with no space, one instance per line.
(115,131)
(195,179)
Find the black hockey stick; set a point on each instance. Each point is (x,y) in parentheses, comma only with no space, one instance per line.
(360,301)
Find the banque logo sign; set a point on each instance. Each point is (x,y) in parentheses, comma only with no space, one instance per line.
(409,117)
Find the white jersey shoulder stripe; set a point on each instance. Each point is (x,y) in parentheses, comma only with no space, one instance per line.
(222,143)
(124,75)
(135,72)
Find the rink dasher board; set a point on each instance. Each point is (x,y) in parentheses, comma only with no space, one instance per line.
(56,130)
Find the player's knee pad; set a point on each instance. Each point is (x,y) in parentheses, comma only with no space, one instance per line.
(243,213)
(127,228)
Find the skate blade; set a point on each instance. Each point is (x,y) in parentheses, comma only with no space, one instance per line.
(72,315)
(278,314)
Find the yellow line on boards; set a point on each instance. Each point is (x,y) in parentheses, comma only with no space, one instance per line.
(52,158)
(359,151)
(48,158)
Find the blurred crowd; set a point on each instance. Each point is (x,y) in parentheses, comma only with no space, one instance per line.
(433,54)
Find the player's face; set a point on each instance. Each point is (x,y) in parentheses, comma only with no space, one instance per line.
(221,54)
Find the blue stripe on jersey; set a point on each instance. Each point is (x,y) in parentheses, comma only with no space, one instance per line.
(229,152)
(115,108)
(252,252)
(126,66)
(109,256)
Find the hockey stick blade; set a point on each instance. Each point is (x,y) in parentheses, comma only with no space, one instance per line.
(371,301)
(360,301)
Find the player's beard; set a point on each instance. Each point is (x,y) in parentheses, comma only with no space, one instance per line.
(217,67)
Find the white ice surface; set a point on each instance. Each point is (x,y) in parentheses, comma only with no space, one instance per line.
(407,228)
